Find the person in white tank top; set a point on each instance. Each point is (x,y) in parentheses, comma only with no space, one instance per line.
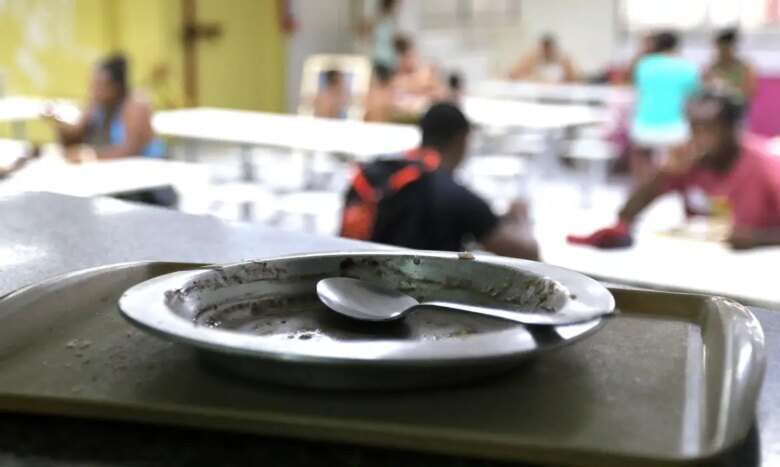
(547,64)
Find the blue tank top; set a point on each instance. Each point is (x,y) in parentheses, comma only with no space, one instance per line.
(663,85)
(117,134)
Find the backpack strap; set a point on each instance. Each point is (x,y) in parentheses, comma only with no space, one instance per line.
(363,187)
(360,213)
(430,158)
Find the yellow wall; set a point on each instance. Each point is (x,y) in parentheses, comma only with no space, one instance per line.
(148,32)
(244,67)
(48,48)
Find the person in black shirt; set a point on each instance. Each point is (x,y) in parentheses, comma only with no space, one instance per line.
(415,201)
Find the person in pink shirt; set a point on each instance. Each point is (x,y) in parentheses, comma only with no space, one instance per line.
(719,163)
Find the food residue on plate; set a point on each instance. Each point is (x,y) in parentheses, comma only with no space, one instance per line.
(465,255)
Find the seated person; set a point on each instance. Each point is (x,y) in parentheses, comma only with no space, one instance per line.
(332,100)
(729,74)
(547,64)
(723,165)
(455,84)
(415,79)
(415,201)
(116,123)
(379,102)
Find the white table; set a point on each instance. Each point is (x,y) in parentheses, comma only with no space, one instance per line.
(590,94)
(662,262)
(18,110)
(510,114)
(101,178)
(247,129)
(656,260)
(354,138)
(502,117)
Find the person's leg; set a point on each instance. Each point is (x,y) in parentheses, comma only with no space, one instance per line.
(641,164)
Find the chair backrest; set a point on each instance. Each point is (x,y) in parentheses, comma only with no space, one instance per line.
(356,70)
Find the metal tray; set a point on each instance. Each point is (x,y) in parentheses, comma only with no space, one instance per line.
(263,320)
(671,380)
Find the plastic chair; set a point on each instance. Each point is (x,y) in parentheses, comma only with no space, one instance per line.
(356,70)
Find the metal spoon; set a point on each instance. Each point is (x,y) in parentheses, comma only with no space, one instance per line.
(371,302)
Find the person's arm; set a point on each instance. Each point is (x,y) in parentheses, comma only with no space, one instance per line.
(744,239)
(569,72)
(750,85)
(629,74)
(432,84)
(643,196)
(364,28)
(320,106)
(70,134)
(523,68)
(707,75)
(619,234)
(682,159)
(137,119)
(512,236)
(509,235)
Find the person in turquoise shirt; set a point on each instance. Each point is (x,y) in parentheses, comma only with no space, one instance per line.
(116,123)
(663,83)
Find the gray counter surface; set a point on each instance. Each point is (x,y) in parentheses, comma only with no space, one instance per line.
(42,235)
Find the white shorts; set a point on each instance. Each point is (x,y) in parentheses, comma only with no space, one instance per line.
(661,137)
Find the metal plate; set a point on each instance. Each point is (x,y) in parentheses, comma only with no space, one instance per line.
(263,319)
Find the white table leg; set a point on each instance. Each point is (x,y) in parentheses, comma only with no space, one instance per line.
(247,168)
(552,150)
(247,175)
(246,211)
(308,170)
(191,150)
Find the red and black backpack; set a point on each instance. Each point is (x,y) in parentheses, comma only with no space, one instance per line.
(380,197)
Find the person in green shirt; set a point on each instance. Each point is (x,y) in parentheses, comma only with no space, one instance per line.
(728,74)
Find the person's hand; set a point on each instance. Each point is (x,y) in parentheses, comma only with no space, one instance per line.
(73,156)
(80,154)
(617,236)
(518,212)
(742,239)
(682,159)
(48,113)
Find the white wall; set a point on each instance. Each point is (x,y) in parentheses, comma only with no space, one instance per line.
(324,26)
(586,29)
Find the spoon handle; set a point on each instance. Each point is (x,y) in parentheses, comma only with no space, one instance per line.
(524,317)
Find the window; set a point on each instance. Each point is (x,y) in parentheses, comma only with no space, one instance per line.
(703,15)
